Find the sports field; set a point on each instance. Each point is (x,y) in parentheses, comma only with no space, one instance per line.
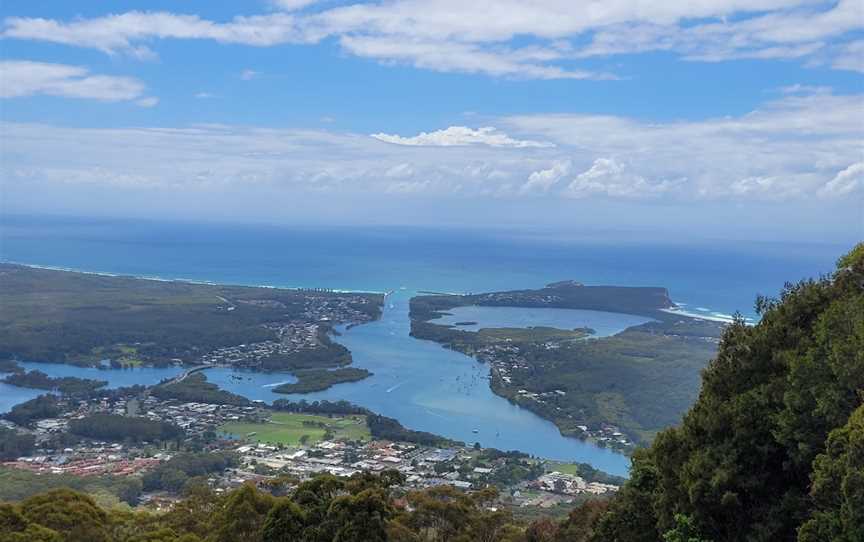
(289,428)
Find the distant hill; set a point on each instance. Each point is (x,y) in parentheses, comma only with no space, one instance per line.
(565,294)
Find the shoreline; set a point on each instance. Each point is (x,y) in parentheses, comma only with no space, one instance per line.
(678,310)
(190,281)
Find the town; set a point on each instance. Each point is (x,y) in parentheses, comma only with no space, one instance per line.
(280,445)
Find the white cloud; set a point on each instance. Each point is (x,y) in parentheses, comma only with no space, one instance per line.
(400,171)
(543,180)
(248,75)
(795,32)
(607,177)
(850,56)
(461,136)
(481,36)
(150,101)
(25,78)
(449,56)
(846,182)
(120,33)
(785,149)
(792,149)
(203,95)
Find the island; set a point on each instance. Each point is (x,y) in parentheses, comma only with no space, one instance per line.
(115,321)
(617,391)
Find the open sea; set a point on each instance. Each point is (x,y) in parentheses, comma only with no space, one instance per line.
(423,385)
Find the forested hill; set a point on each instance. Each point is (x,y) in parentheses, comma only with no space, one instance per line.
(773,449)
(565,294)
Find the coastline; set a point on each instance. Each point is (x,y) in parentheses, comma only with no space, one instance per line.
(190,281)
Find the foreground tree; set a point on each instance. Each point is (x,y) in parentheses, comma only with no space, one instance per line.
(74,516)
(739,467)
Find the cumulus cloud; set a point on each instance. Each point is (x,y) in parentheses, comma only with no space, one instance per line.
(458,36)
(26,78)
(787,148)
(607,177)
(846,182)
(461,136)
(544,179)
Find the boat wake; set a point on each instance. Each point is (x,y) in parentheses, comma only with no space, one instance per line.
(391,388)
(276,384)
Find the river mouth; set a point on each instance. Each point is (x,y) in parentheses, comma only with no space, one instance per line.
(431,388)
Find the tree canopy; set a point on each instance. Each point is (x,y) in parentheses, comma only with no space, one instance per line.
(772,448)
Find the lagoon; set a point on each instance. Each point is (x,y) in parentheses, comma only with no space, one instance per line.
(603,323)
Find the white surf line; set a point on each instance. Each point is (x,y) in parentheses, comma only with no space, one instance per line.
(712,318)
(187,281)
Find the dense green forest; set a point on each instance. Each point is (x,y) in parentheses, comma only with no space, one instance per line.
(773,449)
(565,294)
(119,428)
(195,388)
(38,408)
(14,444)
(82,318)
(173,475)
(108,490)
(312,380)
(325,508)
(67,385)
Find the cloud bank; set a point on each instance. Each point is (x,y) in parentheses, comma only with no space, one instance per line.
(805,144)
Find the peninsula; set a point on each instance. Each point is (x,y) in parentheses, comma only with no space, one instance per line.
(95,320)
(618,391)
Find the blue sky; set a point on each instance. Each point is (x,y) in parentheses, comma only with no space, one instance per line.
(743,118)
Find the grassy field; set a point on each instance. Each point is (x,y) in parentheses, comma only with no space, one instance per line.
(565,468)
(289,428)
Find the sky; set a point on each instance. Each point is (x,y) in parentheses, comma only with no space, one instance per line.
(704,118)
